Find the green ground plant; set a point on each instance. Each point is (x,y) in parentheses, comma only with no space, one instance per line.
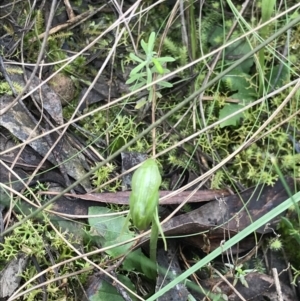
(33,238)
(143,202)
(119,125)
(241,84)
(149,66)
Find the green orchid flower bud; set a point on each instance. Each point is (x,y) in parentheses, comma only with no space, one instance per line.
(144,196)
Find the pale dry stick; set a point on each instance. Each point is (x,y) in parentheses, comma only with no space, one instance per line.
(18,96)
(9,13)
(63,215)
(74,216)
(26,185)
(120,12)
(170,74)
(257,48)
(278,125)
(92,263)
(210,70)
(42,64)
(92,253)
(170,19)
(245,144)
(142,88)
(183,27)
(2,111)
(40,56)
(229,284)
(271,94)
(277,284)
(64,130)
(101,158)
(77,20)
(83,98)
(17,193)
(15,295)
(200,30)
(63,277)
(69,9)
(167,27)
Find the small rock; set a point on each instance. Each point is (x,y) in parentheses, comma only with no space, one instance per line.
(64,87)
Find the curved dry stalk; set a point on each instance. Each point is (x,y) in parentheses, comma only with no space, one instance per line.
(18,293)
(147,86)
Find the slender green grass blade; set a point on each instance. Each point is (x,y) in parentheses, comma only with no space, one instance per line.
(228,244)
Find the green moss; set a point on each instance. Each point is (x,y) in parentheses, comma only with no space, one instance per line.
(33,239)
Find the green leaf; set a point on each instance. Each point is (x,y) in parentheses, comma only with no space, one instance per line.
(144,46)
(110,230)
(150,96)
(267,9)
(158,95)
(137,261)
(140,103)
(158,66)
(138,85)
(165,84)
(149,76)
(238,49)
(138,68)
(165,59)
(108,292)
(287,222)
(135,77)
(276,81)
(135,58)
(227,110)
(151,42)
(237,81)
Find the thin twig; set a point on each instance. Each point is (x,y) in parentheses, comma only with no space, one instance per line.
(229,284)
(277,284)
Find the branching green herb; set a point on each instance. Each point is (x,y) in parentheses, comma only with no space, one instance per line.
(149,64)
